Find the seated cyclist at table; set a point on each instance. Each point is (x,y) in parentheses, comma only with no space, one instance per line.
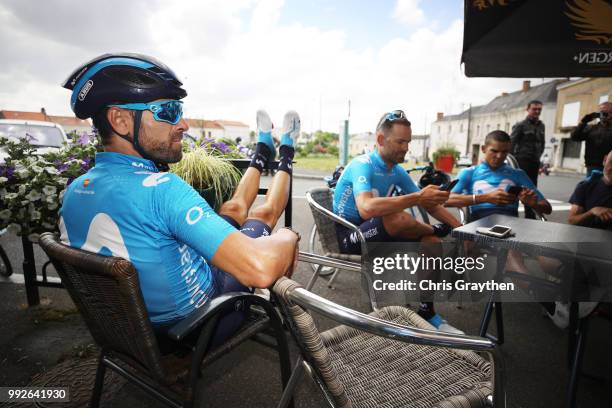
(484,187)
(362,197)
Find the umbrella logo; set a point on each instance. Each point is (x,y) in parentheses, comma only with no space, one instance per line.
(592,19)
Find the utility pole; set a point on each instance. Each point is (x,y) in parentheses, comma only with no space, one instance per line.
(344,138)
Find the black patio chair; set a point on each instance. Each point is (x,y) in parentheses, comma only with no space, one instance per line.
(107,293)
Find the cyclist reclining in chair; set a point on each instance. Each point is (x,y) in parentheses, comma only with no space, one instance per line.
(362,197)
(129,206)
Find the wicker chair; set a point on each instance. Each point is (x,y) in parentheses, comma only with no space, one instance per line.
(107,293)
(390,358)
(320,201)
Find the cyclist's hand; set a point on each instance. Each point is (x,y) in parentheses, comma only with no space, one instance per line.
(431,196)
(500,197)
(590,117)
(605,214)
(528,197)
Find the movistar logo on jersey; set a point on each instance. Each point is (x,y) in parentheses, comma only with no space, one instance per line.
(195,214)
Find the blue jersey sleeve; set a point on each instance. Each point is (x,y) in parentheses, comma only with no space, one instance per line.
(525,181)
(189,218)
(405,182)
(464,186)
(361,176)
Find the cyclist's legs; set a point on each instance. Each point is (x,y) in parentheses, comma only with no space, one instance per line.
(238,206)
(276,200)
(403,226)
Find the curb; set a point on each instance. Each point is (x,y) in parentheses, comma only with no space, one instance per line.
(307,176)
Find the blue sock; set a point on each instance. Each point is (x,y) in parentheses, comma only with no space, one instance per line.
(266,138)
(286,140)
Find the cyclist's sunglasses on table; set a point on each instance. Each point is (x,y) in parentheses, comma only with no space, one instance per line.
(393,116)
(170,111)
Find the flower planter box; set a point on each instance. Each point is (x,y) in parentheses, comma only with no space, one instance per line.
(445,163)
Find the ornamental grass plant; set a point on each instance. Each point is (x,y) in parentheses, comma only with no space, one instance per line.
(213,177)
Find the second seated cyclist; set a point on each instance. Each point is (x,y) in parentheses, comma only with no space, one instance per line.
(362,197)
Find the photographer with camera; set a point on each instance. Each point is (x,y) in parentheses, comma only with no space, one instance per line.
(598,137)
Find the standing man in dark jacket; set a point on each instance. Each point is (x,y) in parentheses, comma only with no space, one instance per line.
(598,137)
(528,144)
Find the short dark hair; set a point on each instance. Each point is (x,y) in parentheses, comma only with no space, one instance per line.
(102,126)
(385,126)
(497,136)
(534,102)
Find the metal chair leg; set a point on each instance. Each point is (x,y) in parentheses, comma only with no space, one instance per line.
(578,353)
(331,281)
(296,375)
(314,277)
(99,382)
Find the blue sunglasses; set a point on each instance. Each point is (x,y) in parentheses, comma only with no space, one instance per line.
(170,111)
(393,116)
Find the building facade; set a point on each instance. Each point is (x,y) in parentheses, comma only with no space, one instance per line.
(467,130)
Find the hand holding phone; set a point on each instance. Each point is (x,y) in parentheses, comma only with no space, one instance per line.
(514,190)
(449,186)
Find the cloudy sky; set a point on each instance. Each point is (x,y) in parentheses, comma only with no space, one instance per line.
(237,56)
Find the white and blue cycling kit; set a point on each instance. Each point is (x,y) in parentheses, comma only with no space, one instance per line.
(482,179)
(365,173)
(125,207)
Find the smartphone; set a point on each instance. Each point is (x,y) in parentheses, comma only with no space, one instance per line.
(497,231)
(514,190)
(449,186)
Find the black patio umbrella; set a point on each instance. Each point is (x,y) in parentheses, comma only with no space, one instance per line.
(538,38)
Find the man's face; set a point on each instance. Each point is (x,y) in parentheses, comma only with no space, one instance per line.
(395,146)
(606,107)
(495,153)
(161,140)
(534,110)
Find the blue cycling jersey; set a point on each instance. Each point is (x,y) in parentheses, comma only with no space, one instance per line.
(364,173)
(125,207)
(482,179)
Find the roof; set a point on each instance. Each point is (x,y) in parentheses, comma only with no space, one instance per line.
(4,114)
(69,121)
(546,92)
(462,115)
(230,123)
(204,124)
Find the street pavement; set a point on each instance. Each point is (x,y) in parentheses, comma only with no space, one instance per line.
(33,340)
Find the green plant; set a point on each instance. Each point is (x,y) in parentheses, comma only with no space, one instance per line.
(204,170)
(446,151)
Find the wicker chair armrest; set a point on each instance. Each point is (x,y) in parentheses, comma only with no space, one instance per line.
(337,219)
(380,327)
(227,302)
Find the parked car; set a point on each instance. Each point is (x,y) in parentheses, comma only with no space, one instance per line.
(46,136)
(464,161)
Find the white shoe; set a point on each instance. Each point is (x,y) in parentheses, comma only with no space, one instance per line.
(291,128)
(442,325)
(561,316)
(264,132)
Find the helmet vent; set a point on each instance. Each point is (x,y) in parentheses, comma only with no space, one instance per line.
(132,77)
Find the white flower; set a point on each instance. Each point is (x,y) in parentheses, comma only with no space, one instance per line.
(3,180)
(14,228)
(51,199)
(36,169)
(51,170)
(49,190)
(5,214)
(33,237)
(25,202)
(52,206)
(48,225)
(61,195)
(62,180)
(11,196)
(35,215)
(22,189)
(2,192)
(19,166)
(22,173)
(33,195)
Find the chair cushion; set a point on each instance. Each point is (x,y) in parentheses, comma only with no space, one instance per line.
(379,372)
